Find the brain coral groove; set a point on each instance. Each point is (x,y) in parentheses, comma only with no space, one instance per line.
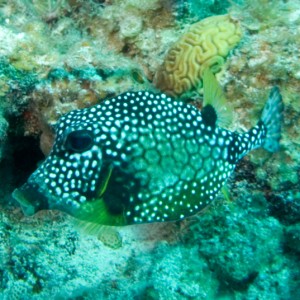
(206,44)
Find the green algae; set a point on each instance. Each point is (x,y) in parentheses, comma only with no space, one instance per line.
(15,85)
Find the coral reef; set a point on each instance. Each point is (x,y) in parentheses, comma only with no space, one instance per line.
(205,45)
(234,250)
(262,61)
(3,130)
(196,10)
(73,54)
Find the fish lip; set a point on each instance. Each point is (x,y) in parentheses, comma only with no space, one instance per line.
(30,199)
(27,208)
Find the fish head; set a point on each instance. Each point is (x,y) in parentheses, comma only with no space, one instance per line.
(70,176)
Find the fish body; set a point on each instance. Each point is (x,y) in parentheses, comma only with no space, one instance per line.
(142,157)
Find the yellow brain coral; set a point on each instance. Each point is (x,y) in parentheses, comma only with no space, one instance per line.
(206,44)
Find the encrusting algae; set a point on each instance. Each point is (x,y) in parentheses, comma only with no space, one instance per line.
(142,157)
(205,45)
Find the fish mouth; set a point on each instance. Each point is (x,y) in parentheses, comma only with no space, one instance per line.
(30,199)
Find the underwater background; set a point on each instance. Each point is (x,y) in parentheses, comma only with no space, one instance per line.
(61,55)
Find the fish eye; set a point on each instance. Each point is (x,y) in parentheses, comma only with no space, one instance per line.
(79,140)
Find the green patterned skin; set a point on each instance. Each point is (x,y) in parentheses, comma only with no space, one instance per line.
(141,157)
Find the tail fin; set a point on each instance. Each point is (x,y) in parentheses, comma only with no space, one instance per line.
(272,118)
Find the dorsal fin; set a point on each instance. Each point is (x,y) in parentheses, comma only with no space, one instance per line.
(214,98)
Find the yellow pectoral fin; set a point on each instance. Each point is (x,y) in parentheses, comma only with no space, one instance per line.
(101,210)
(104,183)
(108,235)
(97,212)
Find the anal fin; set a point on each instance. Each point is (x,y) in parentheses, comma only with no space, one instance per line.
(108,235)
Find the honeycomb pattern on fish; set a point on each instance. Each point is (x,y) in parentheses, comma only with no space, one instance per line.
(144,157)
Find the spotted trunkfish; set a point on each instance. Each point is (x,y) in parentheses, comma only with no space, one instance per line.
(144,157)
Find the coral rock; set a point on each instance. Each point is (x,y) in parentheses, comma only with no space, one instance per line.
(3,129)
(206,44)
